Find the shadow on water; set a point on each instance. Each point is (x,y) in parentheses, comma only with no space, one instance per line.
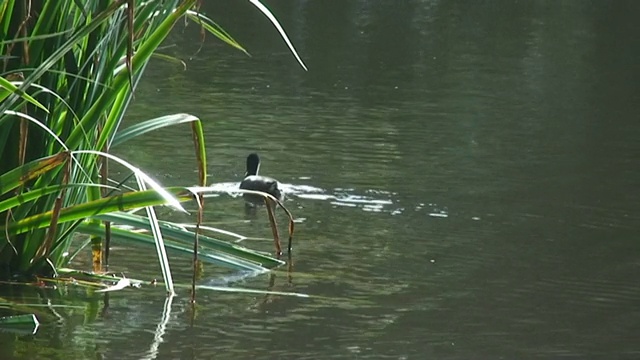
(464,175)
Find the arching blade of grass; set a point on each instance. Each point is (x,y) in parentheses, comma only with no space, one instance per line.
(144,127)
(7,88)
(240,258)
(141,177)
(120,202)
(183,236)
(37,193)
(212,27)
(276,24)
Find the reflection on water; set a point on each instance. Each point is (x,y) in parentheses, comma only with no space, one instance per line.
(464,175)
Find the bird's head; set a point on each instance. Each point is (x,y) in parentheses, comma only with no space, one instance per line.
(253,164)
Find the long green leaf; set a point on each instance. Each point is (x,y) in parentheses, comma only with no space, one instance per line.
(22,174)
(122,202)
(7,88)
(201,151)
(212,27)
(276,24)
(151,125)
(37,193)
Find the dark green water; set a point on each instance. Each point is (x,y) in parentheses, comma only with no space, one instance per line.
(466,175)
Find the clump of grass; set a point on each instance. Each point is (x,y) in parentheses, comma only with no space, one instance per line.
(68,72)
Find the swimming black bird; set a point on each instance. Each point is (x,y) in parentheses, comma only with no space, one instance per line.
(253,181)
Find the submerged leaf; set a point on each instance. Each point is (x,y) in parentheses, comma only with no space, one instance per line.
(122,283)
(27,323)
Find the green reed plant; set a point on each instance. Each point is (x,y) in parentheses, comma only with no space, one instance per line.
(69,71)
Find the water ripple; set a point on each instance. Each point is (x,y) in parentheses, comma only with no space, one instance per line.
(368,200)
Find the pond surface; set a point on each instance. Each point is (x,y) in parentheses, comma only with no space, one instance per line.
(465,175)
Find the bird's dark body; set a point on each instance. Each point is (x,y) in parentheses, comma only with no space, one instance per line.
(263,184)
